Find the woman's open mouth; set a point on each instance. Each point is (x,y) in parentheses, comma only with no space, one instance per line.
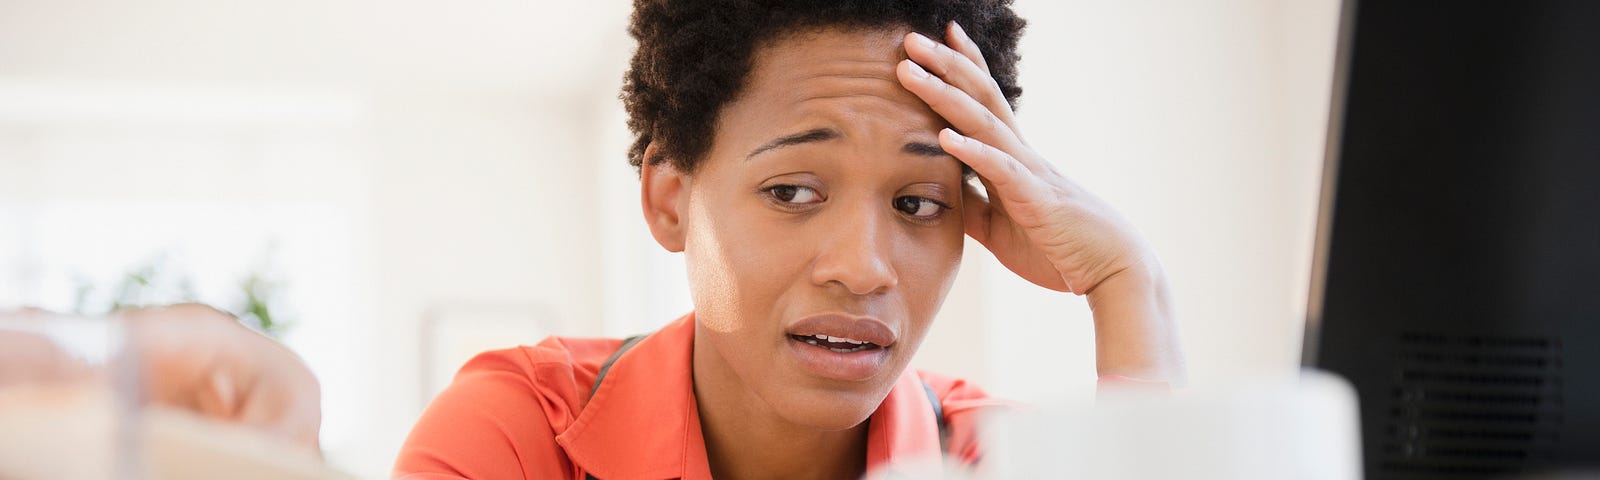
(836,344)
(841,347)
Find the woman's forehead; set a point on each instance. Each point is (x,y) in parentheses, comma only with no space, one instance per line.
(791,60)
(837,79)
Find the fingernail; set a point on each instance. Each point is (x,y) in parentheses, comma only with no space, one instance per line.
(956,28)
(955,138)
(916,70)
(922,40)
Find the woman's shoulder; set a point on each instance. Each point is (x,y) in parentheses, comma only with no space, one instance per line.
(502,412)
(575,359)
(561,366)
(557,372)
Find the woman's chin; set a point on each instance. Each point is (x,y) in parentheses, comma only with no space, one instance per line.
(830,410)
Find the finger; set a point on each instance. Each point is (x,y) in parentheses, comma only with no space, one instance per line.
(1003,175)
(960,71)
(963,112)
(957,38)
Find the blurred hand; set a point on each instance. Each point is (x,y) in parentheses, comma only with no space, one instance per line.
(201,359)
(195,358)
(29,358)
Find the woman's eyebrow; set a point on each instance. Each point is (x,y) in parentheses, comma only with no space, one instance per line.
(923,149)
(808,136)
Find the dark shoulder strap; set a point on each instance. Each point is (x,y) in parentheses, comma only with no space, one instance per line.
(606,367)
(938,416)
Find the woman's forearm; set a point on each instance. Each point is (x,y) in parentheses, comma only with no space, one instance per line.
(1136,333)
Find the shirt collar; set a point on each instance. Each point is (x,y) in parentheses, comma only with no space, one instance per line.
(643,421)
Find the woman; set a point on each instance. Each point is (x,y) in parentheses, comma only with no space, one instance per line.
(812,161)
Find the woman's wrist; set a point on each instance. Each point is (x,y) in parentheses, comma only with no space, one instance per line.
(1135,329)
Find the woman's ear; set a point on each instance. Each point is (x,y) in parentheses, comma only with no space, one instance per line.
(664,193)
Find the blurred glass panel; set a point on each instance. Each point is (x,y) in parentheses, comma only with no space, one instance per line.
(68,398)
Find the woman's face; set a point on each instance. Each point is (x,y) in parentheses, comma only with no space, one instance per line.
(824,215)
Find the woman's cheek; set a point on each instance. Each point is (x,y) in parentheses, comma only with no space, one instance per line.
(738,266)
(931,271)
(713,281)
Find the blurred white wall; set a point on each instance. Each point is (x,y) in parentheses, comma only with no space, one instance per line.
(423,162)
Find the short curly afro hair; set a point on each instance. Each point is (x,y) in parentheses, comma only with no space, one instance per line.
(694,56)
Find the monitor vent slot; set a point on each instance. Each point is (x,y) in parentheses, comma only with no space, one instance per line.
(1470,406)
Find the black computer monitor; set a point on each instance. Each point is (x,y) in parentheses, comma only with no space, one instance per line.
(1457,275)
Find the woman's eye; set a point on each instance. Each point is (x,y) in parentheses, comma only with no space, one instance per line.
(794,194)
(918,206)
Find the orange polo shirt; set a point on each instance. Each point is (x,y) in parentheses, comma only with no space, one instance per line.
(526,413)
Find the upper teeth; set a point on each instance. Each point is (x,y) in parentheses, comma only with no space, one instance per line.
(826,338)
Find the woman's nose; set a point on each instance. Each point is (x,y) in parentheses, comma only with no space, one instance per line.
(857,255)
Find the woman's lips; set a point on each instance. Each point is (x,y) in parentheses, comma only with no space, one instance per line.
(853,366)
(840,347)
(866,329)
